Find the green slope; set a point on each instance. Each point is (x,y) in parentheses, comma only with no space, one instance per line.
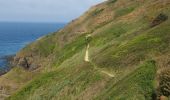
(138,85)
(130,40)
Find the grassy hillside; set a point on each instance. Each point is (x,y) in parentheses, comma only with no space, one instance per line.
(137,85)
(129,56)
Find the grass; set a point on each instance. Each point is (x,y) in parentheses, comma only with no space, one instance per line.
(42,48)
(42,79)
(70,49)
(118,29)
(122,46)
(112,1)
(137,49)
(15,79)
(139,85)
(68,82)
(97,11)
(124,11)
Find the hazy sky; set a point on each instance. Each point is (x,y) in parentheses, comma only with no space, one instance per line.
(43,10)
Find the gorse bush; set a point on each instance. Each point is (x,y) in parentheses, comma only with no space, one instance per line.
(164,83)
(159,19)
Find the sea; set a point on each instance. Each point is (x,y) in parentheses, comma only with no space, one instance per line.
(15,35)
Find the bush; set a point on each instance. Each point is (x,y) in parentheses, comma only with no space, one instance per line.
(111,1)
(97,11)
(164,83)
(159,19)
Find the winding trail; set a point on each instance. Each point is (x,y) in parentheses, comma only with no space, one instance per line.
(109,74)
(102,71)
(86,59)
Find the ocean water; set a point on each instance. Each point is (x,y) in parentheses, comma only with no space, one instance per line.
(14,36)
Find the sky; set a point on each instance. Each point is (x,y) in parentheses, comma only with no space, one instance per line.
(43,10)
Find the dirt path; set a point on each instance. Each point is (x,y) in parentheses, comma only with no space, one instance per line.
(86,58)
(109,74)
(102,70)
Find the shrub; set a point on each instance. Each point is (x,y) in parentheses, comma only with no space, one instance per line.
(159,19)
(97,11)
(164,83)
(111,1)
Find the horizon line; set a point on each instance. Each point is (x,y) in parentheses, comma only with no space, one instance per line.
(31,22)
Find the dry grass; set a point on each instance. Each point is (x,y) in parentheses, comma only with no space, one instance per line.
(14,80)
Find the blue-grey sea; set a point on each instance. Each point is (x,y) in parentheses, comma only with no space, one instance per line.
(15,35)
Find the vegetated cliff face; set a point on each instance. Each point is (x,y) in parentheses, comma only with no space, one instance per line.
(130,39)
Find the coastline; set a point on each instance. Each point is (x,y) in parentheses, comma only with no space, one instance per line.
(16,35)
(7,64)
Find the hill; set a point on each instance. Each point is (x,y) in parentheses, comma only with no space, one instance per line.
(128,56)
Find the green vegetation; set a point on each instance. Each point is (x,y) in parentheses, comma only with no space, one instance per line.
(122,46)
(111,1)
(43,47)
(164,86)
(70,49)
(42,79)
(159,19)
(124,11)
(138,85)
(97,11)
(67,83)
